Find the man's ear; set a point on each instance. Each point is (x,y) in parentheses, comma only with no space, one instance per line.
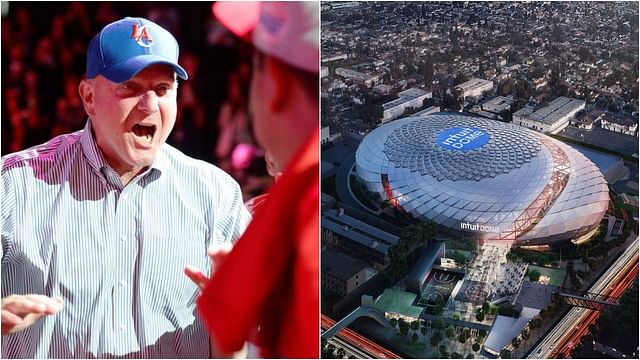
(282,85)
(85,89)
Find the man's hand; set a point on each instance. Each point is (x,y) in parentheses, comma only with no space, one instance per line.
(216,256)
(21,311)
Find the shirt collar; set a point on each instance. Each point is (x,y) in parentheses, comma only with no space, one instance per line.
(90,148)
(97,161)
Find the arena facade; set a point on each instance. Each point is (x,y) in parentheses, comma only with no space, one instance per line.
(493,180)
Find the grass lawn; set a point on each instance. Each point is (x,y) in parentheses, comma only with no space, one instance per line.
(556,276)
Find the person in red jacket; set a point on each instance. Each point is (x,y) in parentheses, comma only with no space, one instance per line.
(266,290)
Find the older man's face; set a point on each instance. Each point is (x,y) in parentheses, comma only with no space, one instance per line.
(131,120)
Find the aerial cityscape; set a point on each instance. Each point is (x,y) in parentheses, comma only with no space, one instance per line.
(479,179)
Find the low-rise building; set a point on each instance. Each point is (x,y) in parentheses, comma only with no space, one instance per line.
(397,304)
(520,115)
(410,98)
(497,105)
(587,120)
(357,238)
(427,111)
(621,124)
(335,57)
(475,87)
(382,89)
(361,78)
(341,273)
(552,118)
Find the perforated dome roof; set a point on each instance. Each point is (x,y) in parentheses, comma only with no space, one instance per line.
(464,172)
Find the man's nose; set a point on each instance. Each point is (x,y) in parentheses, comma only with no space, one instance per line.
(148,102)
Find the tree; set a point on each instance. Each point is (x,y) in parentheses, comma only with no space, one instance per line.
(462,77)
(505,310)
(492,309)
(482,333)
(505,354)
(458,97)
(455,316)
(414,337)
(427,71)
(476,347)
(534,275)
(438,324)
(480,316)
(419,234)
(323,348)
(415,325)
(619,322)
(443,349)
(436,338)
(543,313)
(462,338)
(535,323)
(331,349)
(404,328)
(506,115)
(377,112)
(393,322)
(397,263)
(450,332)
(486,307)
(341,353)
(423,331)
(515,342)
(458,258)
(455,355)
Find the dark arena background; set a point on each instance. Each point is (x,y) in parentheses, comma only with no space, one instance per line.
(44,48)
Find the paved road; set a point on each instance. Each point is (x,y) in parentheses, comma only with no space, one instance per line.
(562,338)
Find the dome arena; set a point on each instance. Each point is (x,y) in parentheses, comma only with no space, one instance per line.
(485,178)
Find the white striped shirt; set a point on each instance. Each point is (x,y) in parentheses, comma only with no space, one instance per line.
(114,253)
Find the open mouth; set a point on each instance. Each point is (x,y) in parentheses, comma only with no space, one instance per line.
(144,132)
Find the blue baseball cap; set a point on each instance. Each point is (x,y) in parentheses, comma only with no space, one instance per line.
(125,47)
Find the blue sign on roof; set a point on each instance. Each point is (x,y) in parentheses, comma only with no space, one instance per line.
(462,139)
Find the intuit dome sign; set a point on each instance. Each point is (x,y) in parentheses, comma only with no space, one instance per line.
(462,139)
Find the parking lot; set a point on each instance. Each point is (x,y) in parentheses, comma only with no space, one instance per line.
(625,144)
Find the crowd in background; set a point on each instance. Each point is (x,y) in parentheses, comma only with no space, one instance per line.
(44,58)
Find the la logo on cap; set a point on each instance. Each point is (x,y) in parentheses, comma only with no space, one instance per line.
(273,21)
(141,35)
